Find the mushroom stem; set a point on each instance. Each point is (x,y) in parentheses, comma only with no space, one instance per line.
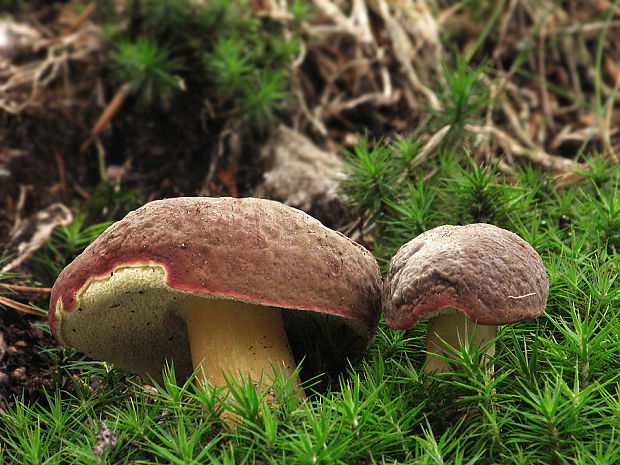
(445,331)
(232,338)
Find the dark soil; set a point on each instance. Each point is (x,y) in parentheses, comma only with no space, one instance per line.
(25,369)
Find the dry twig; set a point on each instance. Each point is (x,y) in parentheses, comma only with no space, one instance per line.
(20,307)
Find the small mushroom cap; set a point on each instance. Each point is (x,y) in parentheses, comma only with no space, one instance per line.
(119,300)
(490,274)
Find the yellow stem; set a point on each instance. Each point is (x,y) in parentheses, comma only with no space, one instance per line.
(446,330)
(235,338)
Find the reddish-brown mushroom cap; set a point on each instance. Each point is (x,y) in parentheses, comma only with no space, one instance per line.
(490,274)
(253,250)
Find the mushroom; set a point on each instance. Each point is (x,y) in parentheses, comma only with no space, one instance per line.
(456,275)
(225,280)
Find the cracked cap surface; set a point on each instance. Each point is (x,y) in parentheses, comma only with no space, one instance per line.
(255,250)
(490,274)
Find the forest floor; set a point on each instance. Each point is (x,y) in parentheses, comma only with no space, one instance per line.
(550,73)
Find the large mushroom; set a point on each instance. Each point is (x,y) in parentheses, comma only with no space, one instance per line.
(460,278)
(227,280)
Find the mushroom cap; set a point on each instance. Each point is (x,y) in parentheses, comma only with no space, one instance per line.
(490,274)
(119,300)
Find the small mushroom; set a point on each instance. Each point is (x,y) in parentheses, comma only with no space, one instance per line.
(225,280)
(456,275)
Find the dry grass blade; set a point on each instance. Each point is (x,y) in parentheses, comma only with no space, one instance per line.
(20,307)
(26,289)
(535,155)
(86,15)
(403,48)
(22,83)
(30,234)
